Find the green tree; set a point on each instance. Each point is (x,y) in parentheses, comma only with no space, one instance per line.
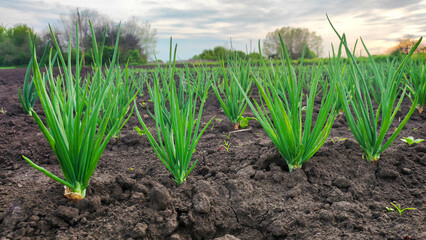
(14,45)
(294,40)
(2,33)
(254,56)
(218,53)
(134,34)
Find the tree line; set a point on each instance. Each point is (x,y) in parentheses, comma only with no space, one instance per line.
(298,40)
(137,39)
(295,40)
(220,53)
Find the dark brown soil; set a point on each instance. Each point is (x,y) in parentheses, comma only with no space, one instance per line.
(245,193)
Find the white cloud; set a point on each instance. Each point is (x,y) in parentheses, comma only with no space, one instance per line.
(380,23)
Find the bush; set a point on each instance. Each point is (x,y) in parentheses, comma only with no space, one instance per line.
(14,45)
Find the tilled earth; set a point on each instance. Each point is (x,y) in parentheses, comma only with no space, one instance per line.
(244,193)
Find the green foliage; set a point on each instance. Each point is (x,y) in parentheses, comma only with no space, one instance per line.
(339,139)
(254,56)
(2,32)
(377,58)
(280,110)
(362,117)
(201,79)
(410,140)
(182,93)
(125,92)
(14,45)
(73,127)
(398,208)
(108,54)
(73,52)
(219,53)
(243,121)
(139,77)
(309,54)
(140,131)
(419,57)
(233,102)
(226,145)
(415,80)
(176,123)
(133,56)
(28,96)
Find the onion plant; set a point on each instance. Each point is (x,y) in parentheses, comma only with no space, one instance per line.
(416,83)
(28,95)
(166,74)
(370,75)
(202,81)
(179,134)
(295,133)
(369,124)
(139,78)
(125,93)
(72,108)
(338,66)
(233,102)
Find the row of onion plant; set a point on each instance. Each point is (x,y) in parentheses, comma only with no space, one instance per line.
(83,114)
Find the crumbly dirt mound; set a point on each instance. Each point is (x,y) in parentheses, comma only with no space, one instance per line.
(244,193)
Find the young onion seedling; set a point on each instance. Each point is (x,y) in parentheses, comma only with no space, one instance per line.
(226,145)
(398,208)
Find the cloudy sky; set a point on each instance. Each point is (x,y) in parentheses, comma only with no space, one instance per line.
(197,25)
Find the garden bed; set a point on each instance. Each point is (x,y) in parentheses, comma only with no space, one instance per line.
(244,193)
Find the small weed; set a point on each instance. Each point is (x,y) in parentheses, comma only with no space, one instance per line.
(140,131)
(3,111)
(227,136)
(243,121)
(211,129)
(410,140)
(390,209)
(338,139)
(226,146)
(398,208)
